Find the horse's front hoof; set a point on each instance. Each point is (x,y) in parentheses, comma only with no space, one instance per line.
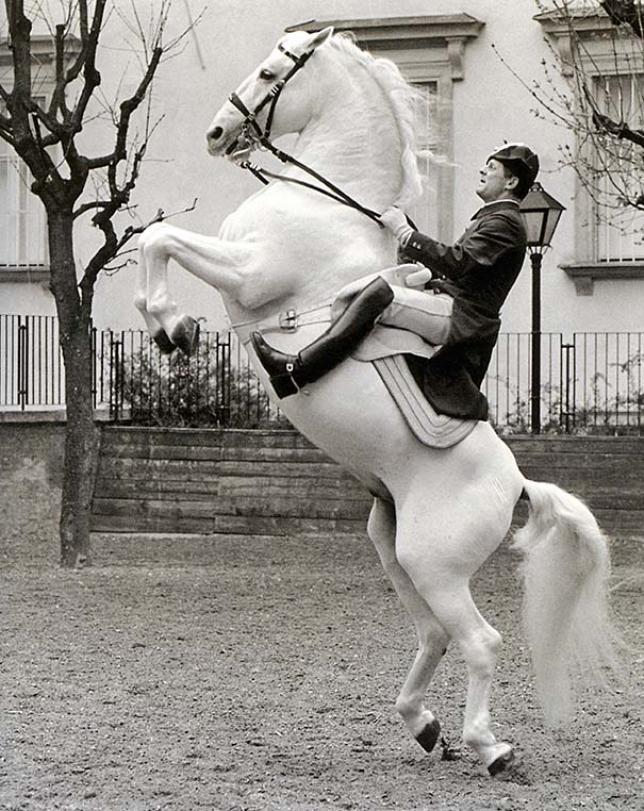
(502,763)
(166,347)
(428,736)
(185,335)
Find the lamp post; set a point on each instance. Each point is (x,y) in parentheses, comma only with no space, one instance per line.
(541,214)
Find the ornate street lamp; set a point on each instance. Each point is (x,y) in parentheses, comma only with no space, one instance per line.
(541,214)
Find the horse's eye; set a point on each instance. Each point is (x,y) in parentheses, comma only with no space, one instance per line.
(266,74)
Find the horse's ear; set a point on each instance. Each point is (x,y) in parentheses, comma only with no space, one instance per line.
(320,37)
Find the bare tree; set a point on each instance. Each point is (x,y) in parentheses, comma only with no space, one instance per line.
(625,12)
(602,103)
(71,185)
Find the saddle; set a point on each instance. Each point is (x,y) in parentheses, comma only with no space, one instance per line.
(386,348)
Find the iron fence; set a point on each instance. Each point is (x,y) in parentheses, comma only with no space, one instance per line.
(32,373)
(593,382)
(215,386)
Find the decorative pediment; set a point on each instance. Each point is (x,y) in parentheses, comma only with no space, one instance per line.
(604,44)
(42,49)
(440,37)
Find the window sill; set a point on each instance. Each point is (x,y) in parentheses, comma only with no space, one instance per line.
(584,274)
(31,274)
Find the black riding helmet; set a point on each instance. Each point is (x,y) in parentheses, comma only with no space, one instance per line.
(521,161)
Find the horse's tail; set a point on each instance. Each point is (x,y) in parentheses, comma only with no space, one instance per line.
(565,573)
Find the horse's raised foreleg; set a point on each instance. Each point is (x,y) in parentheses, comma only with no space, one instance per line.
(215,261)
(154,327)
(432,639)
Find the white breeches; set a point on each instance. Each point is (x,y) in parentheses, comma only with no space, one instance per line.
(426,313)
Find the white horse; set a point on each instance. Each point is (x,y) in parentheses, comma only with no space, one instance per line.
(437,514)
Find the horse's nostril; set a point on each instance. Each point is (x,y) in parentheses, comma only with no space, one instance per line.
(215,134)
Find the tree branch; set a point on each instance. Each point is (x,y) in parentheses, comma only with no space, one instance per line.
(620,130)
(74,70)
(87,63)
(113,245)
(20,45)
(91,206)
(625,12)
(606,124)
(58,101)
(127,108)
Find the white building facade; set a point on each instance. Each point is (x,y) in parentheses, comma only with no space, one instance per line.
(467,53)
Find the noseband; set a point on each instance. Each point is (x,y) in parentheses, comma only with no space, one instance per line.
(254,134)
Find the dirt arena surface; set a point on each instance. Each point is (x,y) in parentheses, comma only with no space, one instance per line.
(238,674)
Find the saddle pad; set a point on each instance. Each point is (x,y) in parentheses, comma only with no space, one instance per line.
(432,429)
(383,341)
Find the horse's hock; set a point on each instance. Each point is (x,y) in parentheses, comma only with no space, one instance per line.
(261,482)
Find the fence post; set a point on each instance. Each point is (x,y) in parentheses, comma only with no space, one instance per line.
(222,360)
(116,378)
(535,370)
(567,415)
(93,365)
(23,363)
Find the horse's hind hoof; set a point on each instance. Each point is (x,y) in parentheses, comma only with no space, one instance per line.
(166,347)
(428,736)
(501,764)
(185,335)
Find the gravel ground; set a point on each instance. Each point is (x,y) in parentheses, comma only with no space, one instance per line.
(236,673)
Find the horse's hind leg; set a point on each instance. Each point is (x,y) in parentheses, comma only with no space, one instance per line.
(432,639)
(434,570)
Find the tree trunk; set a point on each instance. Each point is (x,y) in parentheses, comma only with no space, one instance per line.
(81,436)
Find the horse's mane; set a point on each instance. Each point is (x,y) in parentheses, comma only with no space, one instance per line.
(405,101)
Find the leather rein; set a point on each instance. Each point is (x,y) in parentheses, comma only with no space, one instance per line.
(254,134)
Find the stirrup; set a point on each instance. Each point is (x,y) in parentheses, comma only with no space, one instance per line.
(285,385)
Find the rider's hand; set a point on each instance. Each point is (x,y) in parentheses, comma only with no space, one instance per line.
(418,278)
(396,221)
(393,218)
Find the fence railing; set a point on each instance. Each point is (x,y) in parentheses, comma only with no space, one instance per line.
(593,382)
(31,364)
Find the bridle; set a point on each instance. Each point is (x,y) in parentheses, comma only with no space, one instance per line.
(254,134)
(251,128)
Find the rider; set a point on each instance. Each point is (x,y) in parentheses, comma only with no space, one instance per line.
(459,309)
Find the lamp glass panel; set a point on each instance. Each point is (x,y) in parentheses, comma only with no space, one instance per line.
(534,225)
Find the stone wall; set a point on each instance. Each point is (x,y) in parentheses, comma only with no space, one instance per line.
(275,482)
(257,483)
(31,470)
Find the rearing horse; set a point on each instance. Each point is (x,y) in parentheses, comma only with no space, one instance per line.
(437,515)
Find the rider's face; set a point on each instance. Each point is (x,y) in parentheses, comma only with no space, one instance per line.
(493,182)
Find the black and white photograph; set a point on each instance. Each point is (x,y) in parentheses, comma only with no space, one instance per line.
(321,405)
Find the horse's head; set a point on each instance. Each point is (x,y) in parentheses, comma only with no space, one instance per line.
(275,99)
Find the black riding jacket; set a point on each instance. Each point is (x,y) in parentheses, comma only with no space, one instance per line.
(478,271)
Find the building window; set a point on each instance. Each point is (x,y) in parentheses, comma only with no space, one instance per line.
(23,242)
(432,212)
(609,233)
(619,227)
(23,233)
(430,52)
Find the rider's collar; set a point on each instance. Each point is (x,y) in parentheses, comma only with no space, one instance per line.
(496,205)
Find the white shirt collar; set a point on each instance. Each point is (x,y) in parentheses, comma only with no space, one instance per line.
(501,200)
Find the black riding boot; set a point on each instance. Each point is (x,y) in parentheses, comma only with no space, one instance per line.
(288,373)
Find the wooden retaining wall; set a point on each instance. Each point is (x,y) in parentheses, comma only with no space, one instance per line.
(276,482)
